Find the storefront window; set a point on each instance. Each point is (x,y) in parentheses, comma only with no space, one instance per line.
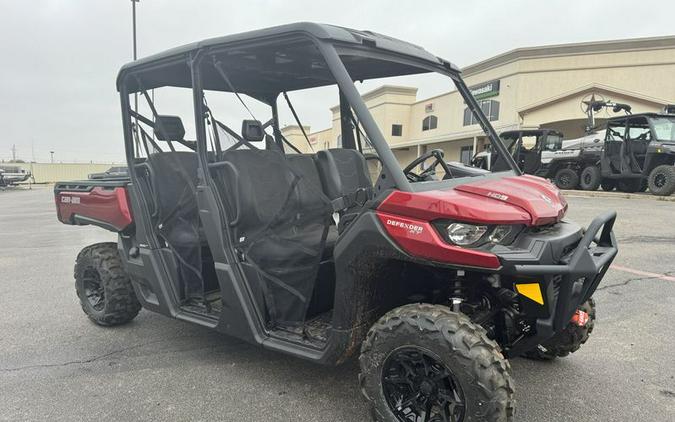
(429,122)
(489,107)
(396,130)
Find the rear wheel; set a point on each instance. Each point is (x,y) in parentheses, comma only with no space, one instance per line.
(425,363)
(568,340)
(590,178)
(629,185)
(566,179)
(608,185)
(662,180)
(103,287)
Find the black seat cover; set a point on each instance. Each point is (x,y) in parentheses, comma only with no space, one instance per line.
(344,174)
(305,166)
(342,171)
(174,183)
(279,218)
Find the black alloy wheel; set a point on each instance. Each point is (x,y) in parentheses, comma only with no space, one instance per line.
(103,287)
(93,289)
(419,387)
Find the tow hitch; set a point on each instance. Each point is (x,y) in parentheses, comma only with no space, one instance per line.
(580,318)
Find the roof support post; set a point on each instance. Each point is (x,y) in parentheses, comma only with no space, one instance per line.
(391,167)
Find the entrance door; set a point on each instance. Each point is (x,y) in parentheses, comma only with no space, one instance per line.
(465,155)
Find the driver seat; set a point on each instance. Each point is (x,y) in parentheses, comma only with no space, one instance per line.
(344,176)
(344,173)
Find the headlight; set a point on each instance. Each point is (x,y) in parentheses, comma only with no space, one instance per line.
(465,234)
(500,233)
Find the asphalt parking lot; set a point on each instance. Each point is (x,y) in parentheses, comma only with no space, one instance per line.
(56,365)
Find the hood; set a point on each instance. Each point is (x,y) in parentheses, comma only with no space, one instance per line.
(524,199)
(540,198)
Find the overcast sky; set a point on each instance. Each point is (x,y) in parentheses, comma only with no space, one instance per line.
(60,57)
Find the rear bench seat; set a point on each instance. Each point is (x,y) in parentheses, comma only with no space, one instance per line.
(255,184)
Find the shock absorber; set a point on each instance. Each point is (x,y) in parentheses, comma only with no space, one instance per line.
(458,292)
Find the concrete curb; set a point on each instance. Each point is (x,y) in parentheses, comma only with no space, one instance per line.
(617,195)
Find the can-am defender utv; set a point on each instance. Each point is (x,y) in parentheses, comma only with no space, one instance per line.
(639,152)
(542,152)
(435,282)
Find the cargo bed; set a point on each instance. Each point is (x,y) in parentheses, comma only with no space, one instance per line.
(103,203)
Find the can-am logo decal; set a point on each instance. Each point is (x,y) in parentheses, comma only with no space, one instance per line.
(497,195)
(70,199)
(412,228)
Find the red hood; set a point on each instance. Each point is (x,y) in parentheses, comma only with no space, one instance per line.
(510,200)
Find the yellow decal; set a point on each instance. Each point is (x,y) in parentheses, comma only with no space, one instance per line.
(531,291)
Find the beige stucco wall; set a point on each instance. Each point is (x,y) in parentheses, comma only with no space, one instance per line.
(55,172)
(538,86)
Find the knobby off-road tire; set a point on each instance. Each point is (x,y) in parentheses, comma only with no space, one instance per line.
(567,341)
(461,348)
(662,180)
(566,179)
(103,287)
(590,178)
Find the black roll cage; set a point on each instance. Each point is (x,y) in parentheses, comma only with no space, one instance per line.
(331,50)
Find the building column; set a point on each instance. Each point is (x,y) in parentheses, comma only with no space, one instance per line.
(475,145)
(421,149)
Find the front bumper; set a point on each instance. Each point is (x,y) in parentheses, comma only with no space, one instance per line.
(568,281)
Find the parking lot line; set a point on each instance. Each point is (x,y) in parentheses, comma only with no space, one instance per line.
(643,273)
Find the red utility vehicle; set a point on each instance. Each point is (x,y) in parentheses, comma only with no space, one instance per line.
(435,275)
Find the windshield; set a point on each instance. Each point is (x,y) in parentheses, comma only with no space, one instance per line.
(424,112)
(553,143)
(664,128)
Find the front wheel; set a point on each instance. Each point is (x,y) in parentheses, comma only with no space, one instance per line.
(104,288)
(424,362)
(566,179)
(662,180)
(590,178)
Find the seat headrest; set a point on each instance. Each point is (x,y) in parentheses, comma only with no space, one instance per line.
(169,128)
(343,171)
(252,130)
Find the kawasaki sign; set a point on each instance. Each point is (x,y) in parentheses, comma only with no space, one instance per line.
(485,90)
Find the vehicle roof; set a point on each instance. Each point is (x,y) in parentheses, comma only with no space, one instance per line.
(325,32)
(628,116)
(530,132)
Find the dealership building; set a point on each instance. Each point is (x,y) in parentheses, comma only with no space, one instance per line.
(534,87)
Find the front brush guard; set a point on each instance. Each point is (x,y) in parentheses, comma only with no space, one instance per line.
(581,271)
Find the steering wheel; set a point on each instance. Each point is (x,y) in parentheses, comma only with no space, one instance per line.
(427,174)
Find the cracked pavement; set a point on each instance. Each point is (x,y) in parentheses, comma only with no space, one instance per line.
(56,365)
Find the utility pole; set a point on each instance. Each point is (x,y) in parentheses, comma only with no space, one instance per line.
(14,152)
(52,153)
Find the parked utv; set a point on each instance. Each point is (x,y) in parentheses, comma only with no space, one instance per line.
(435,282)
(543,153)
(118,172)
(11,175)
(639,152)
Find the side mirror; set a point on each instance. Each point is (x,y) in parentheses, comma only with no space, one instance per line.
(252,131)
(169,128)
